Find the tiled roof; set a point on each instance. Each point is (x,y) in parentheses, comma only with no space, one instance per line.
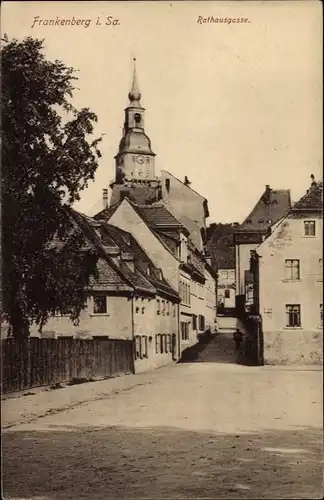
(272,206)
(126,274)
(106,213)
(106,275)
(128,243)
(312,200)
(158,216)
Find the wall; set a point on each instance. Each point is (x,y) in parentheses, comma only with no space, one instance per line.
(186,205)
(126,218)
(242,264)
(117,323)
(210,301)
(149,324)
(226,281)
(293,347)
(187,309)
(283,343)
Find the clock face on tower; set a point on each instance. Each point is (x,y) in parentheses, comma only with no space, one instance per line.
(140,159)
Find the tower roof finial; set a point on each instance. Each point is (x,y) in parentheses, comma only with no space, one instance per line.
(134,94)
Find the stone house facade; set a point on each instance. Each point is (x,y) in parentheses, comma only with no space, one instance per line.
(167,243)
(288,284)
(123,300)
(271,207)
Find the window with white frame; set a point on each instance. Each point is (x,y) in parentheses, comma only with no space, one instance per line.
(293,318)
(144,343)
(292,269)
(99,304)
(309,228)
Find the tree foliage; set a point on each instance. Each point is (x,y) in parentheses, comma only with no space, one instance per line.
(221,245)
(48,156)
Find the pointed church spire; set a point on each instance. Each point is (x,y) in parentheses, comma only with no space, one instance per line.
(134,94)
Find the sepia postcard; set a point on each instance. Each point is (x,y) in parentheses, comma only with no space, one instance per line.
(161,250)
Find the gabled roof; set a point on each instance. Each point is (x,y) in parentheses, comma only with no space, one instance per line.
(108,267)
(312,200)
(272,206)
(127,243)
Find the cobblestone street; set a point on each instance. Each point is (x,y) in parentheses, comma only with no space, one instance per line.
(207,429)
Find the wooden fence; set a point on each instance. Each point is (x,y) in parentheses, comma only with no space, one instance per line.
(39,362)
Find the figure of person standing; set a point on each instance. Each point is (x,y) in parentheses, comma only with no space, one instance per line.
(238,337)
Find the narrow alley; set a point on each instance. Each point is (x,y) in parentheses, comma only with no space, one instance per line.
(191,430)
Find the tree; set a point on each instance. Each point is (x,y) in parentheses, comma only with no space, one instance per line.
(48,156)
(221,245)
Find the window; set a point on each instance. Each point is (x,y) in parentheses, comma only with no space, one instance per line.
(138,347)
(162,343)
(158,306)
(184,330)
(201,322)
(169,344)
(144,346)
(194,322)
(225,275)
(292,271)
(157,343)
(189,297)
(163,307)
(321,314)
(320,263)
(147,159)
(181,290)
(168,308)
(174,310)
(137,118)
(143,310)
(309,228)
(99,304)
(137,309)
(227,294)
(293,315)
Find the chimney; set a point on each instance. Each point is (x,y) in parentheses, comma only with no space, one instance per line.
(267,194)
(313,180)
(186,181)
(105,198)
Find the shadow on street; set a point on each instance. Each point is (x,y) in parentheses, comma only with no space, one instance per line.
(219,348)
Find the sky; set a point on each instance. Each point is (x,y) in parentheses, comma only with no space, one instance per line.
(234,106)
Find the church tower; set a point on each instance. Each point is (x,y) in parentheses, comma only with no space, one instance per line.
(135,160)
